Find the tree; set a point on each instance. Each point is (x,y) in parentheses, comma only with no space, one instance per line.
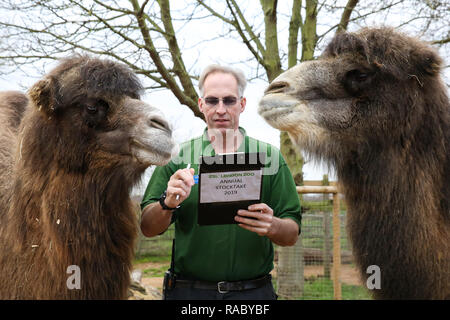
(154,37)
(146,34)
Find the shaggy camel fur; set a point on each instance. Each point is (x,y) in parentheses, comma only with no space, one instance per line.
(67,224)
(374,105)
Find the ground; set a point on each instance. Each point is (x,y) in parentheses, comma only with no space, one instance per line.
(154,279)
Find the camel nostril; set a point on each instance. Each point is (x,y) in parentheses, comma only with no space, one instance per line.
(277,87)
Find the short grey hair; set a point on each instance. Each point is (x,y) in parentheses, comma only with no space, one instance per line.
(237,73)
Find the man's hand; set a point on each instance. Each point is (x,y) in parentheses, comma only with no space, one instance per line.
(283,232)
(263,222)
(180,184)
(155,219)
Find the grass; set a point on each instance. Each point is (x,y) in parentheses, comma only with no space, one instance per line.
(322,289)
(152,258)
(315,288)
(325,205)
(319,288)
(155,272)
(313,232)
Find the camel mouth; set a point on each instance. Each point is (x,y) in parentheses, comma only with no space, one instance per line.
(273,108)
(288,114)
(275,104)
(153,151)
(138,145)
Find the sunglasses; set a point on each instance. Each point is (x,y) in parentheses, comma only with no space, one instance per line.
(227,101)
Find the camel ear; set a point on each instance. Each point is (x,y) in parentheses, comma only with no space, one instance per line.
(427,61)
(42,95)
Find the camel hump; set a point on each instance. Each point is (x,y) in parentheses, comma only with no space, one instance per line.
(12,107)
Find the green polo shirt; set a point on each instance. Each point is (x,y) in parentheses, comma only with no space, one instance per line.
(225,252)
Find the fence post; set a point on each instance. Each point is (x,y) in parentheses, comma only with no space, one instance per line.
(336,248)
(326,245)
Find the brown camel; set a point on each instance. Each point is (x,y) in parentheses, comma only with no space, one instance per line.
(67,224)
(374,106)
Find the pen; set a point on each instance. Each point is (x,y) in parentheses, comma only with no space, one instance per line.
(178,196)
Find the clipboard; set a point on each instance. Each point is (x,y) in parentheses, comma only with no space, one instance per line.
(228,182)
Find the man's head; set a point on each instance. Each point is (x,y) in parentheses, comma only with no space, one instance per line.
(222,101)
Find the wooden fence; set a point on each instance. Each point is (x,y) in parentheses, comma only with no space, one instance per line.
(336,232)
(316,249)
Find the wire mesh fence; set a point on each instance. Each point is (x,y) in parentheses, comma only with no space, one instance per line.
(156,246)
(309,270)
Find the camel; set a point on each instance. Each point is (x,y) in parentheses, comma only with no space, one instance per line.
(67,224)
(376,109)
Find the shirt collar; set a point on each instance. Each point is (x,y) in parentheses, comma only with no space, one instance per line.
(208,150)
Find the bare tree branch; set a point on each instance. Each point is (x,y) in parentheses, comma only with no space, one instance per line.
(294,26)
(178,63)
(215,13)
(441,41)
(237,15)
(170,81)
(345,18)
(148,35)
(248,28)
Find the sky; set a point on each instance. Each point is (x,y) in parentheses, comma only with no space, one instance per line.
(185,125)
(183,122)
(198,55)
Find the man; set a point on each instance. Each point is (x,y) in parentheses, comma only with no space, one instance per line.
(230,261)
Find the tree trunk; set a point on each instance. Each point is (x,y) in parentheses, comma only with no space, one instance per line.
(290,275)
(271,55)
(309,36)
(293,158)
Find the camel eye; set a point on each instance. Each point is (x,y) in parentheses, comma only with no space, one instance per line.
(95,111)
(93,106)
(92,109)
(361,76)
(356,80)
(357,75)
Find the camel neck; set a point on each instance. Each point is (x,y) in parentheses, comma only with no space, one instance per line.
(394,220)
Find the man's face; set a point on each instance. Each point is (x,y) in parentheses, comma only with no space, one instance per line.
(222,114)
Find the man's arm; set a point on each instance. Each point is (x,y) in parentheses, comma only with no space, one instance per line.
(284,232)
(281,231)
(155,220)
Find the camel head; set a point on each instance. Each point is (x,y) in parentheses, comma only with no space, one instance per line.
(89,116)
(368,89)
